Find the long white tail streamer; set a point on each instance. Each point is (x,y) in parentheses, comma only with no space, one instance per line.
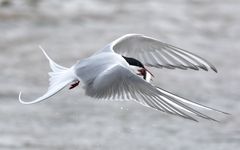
(59,78)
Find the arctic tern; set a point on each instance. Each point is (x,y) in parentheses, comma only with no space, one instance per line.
(118,71)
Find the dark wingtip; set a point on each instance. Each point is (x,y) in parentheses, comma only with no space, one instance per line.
(206,69)
(214,69)
(225,113)
(193,67)
(216,120)
(193,119)
(212,119)
(203,67)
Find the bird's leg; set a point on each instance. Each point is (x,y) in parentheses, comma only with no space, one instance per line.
(74,84)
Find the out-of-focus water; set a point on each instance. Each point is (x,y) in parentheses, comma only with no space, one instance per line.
(71,29)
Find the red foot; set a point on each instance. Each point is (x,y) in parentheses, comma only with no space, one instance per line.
(76,83)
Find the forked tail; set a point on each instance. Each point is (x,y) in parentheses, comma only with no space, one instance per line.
(59,78)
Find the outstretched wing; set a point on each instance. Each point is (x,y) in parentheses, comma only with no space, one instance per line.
(118,82)
(154,53)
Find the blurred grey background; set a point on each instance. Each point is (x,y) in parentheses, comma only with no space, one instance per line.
(72,29)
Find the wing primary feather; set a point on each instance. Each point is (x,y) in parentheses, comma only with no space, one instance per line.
(195,63)
(191,102)
(158,101)
(146,100)
(146,58)
(172,110)
(187,57)
(202,60)
(149,100)
(158,63)
(158,105)
(189,63)
(176,63)
(168,109)
(151,60)
(179,112)
(189,109)
(165,62)
(155,105)
(186,63)
(193,56)
(167,105)
(181,61)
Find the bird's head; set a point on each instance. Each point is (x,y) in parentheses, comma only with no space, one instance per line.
(139,68)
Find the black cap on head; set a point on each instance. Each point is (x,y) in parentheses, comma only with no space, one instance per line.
(133,62)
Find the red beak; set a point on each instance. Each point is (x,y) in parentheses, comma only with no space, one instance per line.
(143,72)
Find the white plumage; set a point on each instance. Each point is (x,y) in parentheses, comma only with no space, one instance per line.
(111,74)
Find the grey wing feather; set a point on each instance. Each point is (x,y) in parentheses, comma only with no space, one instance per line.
(120,83)
(154,53)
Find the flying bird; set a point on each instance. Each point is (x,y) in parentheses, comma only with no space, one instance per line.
(119,71)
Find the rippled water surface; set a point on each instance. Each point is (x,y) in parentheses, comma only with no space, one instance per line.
(71,30)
